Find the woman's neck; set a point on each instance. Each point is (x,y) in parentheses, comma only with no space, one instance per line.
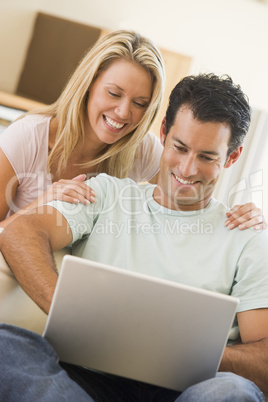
(84,152)
(88,151)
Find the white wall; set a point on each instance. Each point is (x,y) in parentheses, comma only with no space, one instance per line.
(224,36)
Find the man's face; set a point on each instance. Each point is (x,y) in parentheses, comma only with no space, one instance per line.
(194,155)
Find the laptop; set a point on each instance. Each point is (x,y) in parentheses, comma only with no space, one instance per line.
(137,326)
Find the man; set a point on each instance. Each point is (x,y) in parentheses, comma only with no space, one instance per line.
(175,231)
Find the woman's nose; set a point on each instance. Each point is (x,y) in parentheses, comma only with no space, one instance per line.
(123,109)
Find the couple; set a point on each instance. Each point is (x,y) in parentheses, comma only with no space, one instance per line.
(202,134)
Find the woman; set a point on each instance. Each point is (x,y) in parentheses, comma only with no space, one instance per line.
(99,124)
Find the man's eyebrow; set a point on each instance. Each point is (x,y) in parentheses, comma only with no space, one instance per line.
(203,152)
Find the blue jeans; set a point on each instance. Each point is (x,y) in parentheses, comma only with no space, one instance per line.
(30,371)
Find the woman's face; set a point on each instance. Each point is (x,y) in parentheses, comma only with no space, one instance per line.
(117,101)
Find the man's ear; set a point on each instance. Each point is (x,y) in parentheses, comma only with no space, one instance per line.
(163,131)
(233,157)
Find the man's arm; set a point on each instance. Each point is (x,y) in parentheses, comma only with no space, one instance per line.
(27,245)
(250,358)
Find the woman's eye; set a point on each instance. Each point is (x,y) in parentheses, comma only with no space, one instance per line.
(142,105)
(113,94)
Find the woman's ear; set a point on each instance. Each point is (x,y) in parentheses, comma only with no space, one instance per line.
(233,157)
(163,131)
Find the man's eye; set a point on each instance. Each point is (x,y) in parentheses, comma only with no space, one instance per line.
(207,158)
(181,149)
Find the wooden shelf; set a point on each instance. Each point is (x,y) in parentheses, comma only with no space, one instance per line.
(18,102)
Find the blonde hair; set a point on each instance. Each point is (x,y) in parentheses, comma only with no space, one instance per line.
(70,108)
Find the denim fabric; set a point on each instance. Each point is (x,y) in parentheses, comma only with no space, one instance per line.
(30,371)
(225,387)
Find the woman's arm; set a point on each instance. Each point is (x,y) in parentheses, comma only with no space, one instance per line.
(72,191)
(8,185)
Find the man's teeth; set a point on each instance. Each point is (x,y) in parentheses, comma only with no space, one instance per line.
(113,123)
(184,181)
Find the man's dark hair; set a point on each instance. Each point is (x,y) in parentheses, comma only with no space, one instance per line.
(212,99)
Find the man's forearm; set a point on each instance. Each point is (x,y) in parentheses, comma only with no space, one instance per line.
(248,360)
(26,248)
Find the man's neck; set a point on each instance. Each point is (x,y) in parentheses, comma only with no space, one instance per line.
(178,204)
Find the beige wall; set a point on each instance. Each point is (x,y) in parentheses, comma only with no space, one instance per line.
(224,36)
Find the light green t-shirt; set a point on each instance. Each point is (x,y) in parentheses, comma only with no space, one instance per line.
(127,228)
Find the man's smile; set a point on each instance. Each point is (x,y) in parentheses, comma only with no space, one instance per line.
(183,181)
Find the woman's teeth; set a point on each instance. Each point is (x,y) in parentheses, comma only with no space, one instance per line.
(113,123)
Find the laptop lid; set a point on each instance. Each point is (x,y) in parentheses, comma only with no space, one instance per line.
(137,326)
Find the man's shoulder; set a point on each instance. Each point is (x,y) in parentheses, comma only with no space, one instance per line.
(216,205)
(105,180)
(113,188)
(216,213)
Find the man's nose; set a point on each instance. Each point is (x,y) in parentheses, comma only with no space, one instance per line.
(188,165)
